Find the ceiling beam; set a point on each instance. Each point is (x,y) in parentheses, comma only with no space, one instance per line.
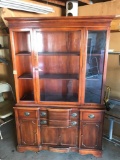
(57,2)
(85,1)
(62,3)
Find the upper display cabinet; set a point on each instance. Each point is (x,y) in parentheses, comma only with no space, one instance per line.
(59,64)
(60,60)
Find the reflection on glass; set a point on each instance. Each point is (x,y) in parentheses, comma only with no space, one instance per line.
(94,70)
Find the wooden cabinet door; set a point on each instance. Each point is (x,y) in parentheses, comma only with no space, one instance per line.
(91,135)
(49,135)
(28,131)
(69,136)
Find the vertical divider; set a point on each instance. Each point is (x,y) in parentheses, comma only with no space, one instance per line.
(83,58)
(14,63)
(33,63)
(105,63)
(35,69)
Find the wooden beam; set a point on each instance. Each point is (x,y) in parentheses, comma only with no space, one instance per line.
(85,1)
(57,2)
(62,3)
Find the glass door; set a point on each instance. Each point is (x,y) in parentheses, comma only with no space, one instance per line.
(58,65)
(96,47)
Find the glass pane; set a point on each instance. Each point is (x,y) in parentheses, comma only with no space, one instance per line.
(58,56)
(95,65)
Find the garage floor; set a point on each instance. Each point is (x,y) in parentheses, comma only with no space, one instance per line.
(8,151)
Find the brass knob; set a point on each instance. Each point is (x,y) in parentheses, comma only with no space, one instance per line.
(91,116)
(43,114)
(26,113)
(74,114)
(73,123)
(43,122)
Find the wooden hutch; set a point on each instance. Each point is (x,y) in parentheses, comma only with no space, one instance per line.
(60,71)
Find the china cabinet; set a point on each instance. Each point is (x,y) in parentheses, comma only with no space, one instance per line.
(59,70)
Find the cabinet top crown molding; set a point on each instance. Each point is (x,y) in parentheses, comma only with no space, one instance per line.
(59,21)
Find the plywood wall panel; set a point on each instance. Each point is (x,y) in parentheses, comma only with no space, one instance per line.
(113,75)
(106,8)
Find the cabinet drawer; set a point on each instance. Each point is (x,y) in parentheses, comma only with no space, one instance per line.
(92,116)
(58,123)
(58,114)
(66,123)
(27,113)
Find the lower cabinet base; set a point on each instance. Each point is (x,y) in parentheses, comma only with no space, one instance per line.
(21,148)
(96,153)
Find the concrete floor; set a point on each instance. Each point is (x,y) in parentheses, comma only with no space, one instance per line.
(8,151)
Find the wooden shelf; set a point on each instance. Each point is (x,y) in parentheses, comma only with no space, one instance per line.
(26,76)
(117,30)
(25,53)
(59,76)
(27,97)
(58,53)
(4,34)
(114,53)
(50,76)
(60,98)
(3,48)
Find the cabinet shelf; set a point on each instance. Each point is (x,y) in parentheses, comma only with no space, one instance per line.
(49,76)
(58,53)
(27,97)
(58,76)
(25,53)
(26,76)
(60,98)
(4,34)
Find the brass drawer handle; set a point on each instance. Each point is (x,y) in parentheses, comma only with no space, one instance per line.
(74,114)
(73,123)
(43,114)
(43,122)
(26,113)
(91,116)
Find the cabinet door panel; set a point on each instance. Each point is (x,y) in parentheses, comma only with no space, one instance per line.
(91,135)
(49,135)
(92,116)
(69,136)
(28,131)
